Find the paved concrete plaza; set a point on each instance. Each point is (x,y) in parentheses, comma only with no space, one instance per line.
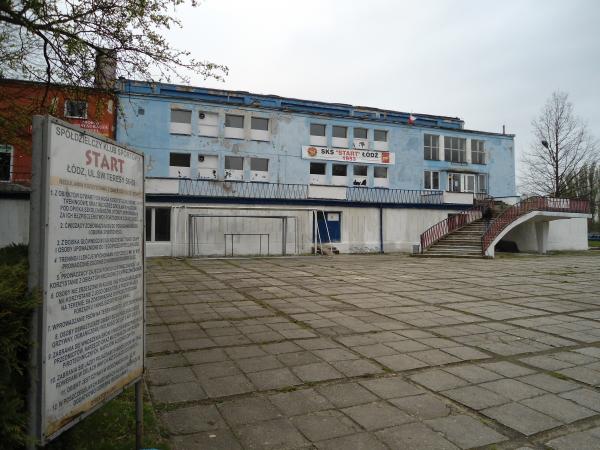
(376,352)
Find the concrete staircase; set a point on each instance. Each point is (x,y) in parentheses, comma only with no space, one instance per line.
(465,242)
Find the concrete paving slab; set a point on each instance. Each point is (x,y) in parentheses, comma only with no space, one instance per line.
(297,352)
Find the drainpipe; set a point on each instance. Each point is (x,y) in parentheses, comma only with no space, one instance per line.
(380,228)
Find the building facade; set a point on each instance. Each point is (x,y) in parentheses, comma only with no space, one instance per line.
(233,173)
(224,135)
(90,108)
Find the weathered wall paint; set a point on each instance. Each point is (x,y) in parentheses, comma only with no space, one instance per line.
(289,132)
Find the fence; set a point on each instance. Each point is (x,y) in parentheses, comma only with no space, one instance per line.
(278,191)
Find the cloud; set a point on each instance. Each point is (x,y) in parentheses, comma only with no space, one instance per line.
(490,63)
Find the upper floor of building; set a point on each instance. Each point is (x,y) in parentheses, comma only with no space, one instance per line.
(92,109)
(225,135)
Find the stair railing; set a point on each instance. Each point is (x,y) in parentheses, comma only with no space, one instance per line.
(525,206)
(453,223)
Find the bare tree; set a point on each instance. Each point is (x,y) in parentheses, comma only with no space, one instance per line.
(563,146)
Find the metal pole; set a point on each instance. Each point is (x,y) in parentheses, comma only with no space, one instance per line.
(36,236)
(314,231)
(139,415)
(380,229)
(284,235)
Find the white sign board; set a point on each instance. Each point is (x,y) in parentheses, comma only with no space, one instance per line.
(348,155)
(91,274)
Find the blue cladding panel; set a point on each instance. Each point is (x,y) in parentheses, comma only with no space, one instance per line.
(290,130)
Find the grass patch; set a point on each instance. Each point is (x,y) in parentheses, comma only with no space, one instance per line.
(594,243)
(112,427)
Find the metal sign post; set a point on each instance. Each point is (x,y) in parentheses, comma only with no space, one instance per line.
(86,257)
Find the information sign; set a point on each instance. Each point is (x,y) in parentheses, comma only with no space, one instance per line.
(91,271)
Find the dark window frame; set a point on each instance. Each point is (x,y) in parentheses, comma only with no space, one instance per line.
(259,120)
(431,147)
(319,165)
(229,159)
(377,135)
(228,119)
(339,166)
(337,128)
(179,159)
(455,149)
(313,129)
(79,111)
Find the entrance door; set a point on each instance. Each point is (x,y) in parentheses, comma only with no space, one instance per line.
(329,222)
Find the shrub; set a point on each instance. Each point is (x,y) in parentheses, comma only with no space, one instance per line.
(16,306)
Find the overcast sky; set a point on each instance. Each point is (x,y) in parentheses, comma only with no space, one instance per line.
(487,62)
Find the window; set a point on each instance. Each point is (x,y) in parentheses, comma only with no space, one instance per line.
(316,129)
(455,182)
(380,172)
(360,138)
(158,224)
(181,116)
(380,138)
(431,180)
(338,174)
(339,170)
(318,134)
(181,121)
(234,126)
(76,109)
(5,162)
(339,132)
(259,129)
(179,165)
(380,176)
(179,159)
(232,121)
(259,123)
(317,168)
(431,147)
(455,149)
(234,163)
(339,136)
(360,133)
(317,173)
(234,168)
(208,124)
(259,164)
(162,224)
(360,171)
(482,183)
(360,175)
(149,224)
(477,151)
(259,169)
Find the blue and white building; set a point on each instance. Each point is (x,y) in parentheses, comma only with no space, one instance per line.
(240,173)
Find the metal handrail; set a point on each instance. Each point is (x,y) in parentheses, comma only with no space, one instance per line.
(525,206)
(259,190)
(453,223)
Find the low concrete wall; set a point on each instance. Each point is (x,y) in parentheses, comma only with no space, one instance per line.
(360,229)
(563,234)
(14,221)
